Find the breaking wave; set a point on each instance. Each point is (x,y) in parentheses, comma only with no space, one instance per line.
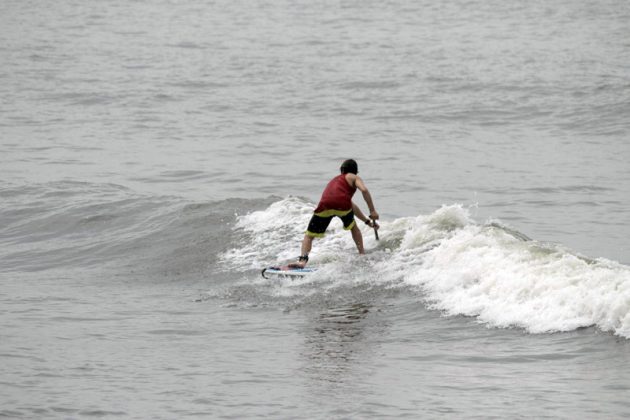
(456,265)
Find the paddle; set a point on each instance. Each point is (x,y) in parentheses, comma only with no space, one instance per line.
(375,230)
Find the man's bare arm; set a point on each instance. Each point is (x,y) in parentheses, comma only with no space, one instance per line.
(367,197)
(362,217)
(357,212)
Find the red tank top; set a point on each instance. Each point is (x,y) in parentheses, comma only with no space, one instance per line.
(337,195)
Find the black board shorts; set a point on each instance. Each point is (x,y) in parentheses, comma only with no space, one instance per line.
(320,221)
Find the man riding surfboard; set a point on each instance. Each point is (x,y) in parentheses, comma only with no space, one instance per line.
(336,201)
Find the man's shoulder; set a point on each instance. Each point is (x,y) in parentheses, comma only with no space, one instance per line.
(352,179)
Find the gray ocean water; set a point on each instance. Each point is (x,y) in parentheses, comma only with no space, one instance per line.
(154,155)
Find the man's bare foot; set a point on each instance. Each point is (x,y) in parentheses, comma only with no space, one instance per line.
(297,265)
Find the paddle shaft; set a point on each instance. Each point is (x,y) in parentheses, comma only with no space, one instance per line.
(375,230)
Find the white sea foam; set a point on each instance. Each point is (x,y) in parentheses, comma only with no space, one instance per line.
(275,234)
(271,234)
(486,271)
(483,271)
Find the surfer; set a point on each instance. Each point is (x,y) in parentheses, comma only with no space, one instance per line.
(337,201)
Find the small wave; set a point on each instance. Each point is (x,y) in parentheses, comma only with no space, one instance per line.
(65,225)
(370,85)
(187,45)
(69,223)
(197,84)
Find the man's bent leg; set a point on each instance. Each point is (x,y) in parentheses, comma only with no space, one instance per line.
(307,244)
(358,238)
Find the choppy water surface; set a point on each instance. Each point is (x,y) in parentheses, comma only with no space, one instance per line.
(156,155)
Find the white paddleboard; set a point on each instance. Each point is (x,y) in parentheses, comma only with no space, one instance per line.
(286,271)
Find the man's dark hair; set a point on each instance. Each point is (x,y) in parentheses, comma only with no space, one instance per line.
(349,166)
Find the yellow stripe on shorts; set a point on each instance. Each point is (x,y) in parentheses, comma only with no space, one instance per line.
(329,213)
